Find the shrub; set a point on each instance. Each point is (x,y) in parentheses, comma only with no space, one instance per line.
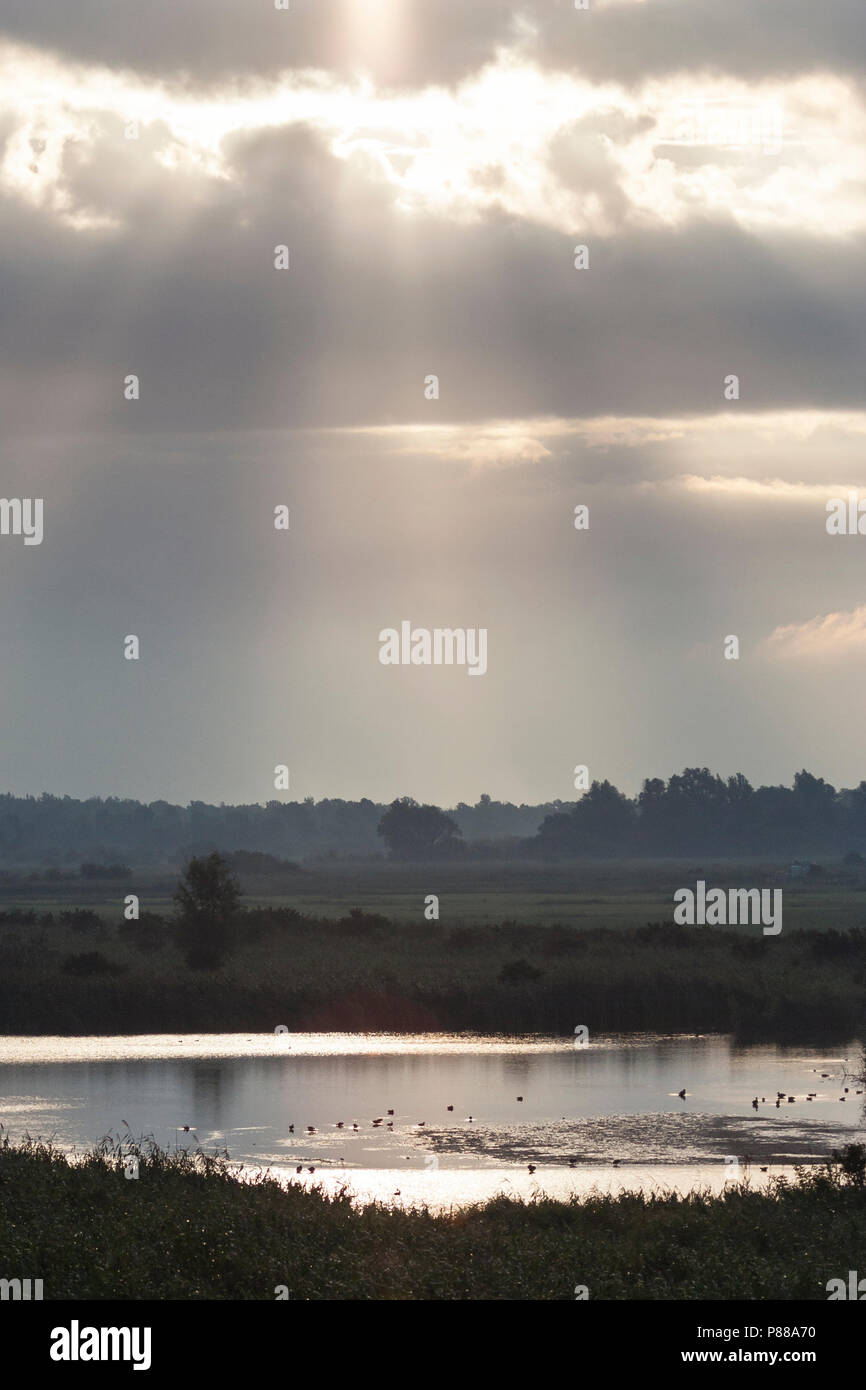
(204,956)
(518,972)
(79,918)
(361,922)
(852,1161)
(89,963)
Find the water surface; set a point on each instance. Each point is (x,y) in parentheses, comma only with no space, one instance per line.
(581,1108)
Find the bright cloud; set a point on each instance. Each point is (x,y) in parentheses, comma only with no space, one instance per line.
(834,634)
(545,147)
(765,489)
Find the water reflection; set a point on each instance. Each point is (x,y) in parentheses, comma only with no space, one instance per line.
(581,1108)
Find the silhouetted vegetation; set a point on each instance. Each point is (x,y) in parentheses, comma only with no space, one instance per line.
(80,919)
(199,1233)
(360,970)
(62,831)
(698,812)
(106,871)
(208,898)
(518,972)
(419,832)
(253,864)
(89,963)
(692,813)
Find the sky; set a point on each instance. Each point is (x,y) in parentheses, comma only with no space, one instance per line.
(431,167)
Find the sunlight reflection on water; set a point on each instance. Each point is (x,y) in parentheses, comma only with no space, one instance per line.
(444,1119)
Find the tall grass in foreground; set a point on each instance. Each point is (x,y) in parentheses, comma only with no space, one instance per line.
(187,1228)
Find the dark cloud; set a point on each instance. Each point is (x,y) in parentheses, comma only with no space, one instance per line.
(187,298)
(749,39)
(217,41)
(582,159)
(441,41)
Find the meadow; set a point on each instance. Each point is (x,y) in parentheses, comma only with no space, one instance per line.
(614,893)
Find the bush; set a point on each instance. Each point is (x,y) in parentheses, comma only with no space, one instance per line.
(80,918)
(852,1161)
(361,922)
(518,972)
(148,933)
(204,955)
(89,963)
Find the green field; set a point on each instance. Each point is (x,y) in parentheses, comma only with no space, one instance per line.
(609,893)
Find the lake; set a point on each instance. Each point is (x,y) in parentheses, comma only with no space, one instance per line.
(582,1108)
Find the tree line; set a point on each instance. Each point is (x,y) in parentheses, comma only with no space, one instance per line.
(107,831)
(692,812)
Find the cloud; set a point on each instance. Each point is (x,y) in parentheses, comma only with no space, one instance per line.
(766,489)
(431,167)
(514,140)
(415,43)
(749,39)
(216,43)
(833,635)
(180,289)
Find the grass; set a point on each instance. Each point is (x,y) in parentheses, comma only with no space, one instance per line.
(366,972)
(619,894)
(187,1228)
(518,948)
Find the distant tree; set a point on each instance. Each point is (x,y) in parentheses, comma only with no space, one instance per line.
(693,813)
(814,810)
(106,871)
(602,822)
(208,898)
(248,861)
(419,832)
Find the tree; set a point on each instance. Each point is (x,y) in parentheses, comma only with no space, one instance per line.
(602,822)
(208,898)
(419,832)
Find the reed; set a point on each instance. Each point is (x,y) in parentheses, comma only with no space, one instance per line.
(187,1228)
(365,972)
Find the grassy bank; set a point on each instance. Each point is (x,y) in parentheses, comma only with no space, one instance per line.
(362,971)
(187,1229)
